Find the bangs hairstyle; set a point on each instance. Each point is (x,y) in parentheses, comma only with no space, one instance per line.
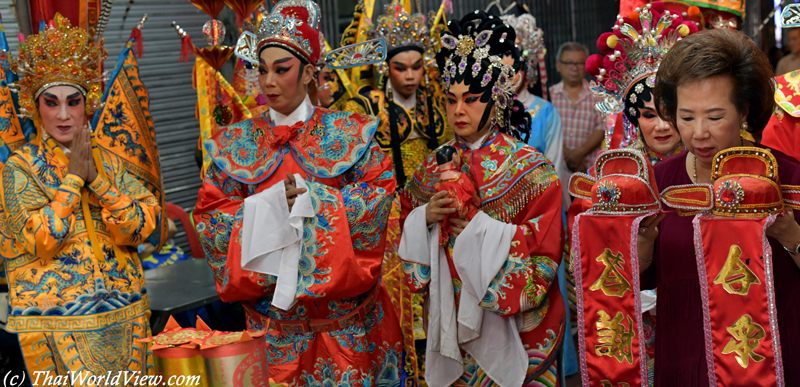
(501,44)
(714,53)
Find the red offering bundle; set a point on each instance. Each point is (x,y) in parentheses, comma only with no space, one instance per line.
(218,358)
(459,187)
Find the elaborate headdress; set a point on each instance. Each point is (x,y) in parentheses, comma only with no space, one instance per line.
(530,38)
(631,56)
(606,260)
(745,185)
(292,25)
(530,41)
(403,31)
(721,14)
(472,51)
(60,55)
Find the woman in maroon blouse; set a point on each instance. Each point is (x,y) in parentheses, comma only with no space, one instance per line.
(711,85)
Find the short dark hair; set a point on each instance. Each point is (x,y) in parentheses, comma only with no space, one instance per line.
(571,46)
(713,53)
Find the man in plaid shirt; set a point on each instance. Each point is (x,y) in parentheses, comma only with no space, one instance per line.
(582,125)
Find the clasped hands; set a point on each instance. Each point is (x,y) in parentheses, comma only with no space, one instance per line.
(79,153)
(438,208)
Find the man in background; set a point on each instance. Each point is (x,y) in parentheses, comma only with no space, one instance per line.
(582,125)
(791,61)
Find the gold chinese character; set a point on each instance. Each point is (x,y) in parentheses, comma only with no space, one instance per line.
(735,277)
(615,338)
(607,383)
(746,339)
(612,282)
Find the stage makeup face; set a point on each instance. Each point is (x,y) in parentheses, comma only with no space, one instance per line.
(464,112)
(406,72)
(62,111)
(658,134)
(283,78)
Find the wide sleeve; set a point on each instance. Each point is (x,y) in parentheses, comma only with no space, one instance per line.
(781,133)
(535,253)
(218,220)
(343,243)
(414,195)
(40,225)
(129,210)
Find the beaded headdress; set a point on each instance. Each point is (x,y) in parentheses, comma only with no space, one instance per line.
(59,55)
(643,41)
(721,14)
(470,52)
(530,41)
(292,25)
(401,30)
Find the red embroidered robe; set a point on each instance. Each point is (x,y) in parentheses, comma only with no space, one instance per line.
(517,185)
(351,184)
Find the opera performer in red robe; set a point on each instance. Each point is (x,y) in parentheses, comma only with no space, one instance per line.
(495,313)
(292,217)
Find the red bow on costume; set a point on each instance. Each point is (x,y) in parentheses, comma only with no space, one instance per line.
(283,133)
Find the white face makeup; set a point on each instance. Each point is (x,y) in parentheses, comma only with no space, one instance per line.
(283,78)
(405,72)
(464,112)
(658,134)
(62,111)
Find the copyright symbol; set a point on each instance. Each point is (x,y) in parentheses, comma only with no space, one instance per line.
(13,380)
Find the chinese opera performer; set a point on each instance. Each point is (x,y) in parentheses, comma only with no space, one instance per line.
(626,81)
(292,218)
(482,226)
(76,203)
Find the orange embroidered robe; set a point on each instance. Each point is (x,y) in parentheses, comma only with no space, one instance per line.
(75,311)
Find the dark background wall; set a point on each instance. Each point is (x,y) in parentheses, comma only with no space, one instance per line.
(561,20)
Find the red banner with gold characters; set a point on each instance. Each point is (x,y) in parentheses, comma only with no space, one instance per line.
(606,267)
(734,262)
(612,351)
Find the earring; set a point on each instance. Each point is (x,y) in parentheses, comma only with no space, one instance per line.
(745,126)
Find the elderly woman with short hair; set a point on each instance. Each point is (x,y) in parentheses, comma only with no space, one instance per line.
(710,86)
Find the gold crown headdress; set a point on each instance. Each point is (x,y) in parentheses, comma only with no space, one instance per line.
(644,42)
(60,55)
(400,29)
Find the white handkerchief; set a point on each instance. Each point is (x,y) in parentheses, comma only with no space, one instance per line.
(271,237)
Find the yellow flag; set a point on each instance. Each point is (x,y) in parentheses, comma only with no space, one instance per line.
(215,93)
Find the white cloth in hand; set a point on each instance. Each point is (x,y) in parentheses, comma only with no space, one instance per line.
(271,237)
